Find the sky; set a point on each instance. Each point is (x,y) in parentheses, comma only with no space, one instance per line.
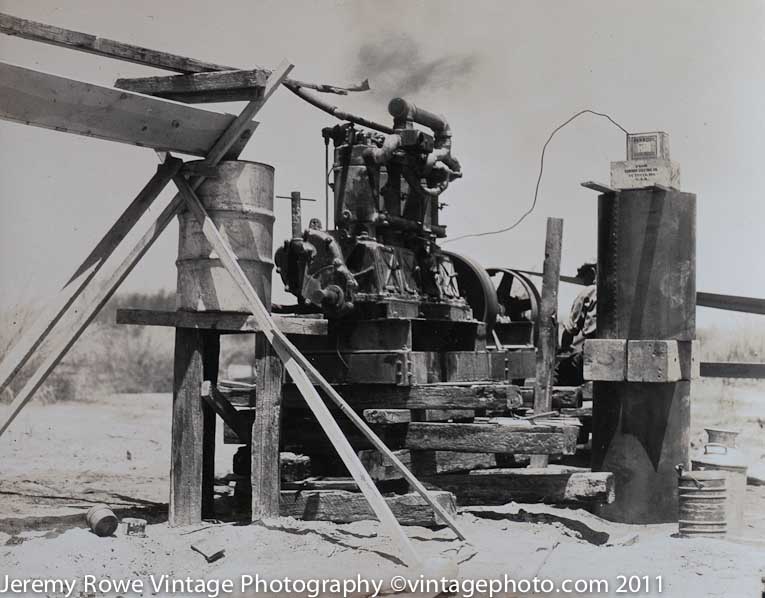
(504,74)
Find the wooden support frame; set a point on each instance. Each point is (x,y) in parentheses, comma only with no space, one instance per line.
(300,369)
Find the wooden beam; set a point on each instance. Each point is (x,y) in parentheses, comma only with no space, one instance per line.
(712,369)
(227,412)
(552,484)
(491,438)
(84,42)
(264,474)
(34,98)
(222,86)
(750,305)
(186,447)
(547,325)
(88,305)
(429,462)
(210,366)
(562,396)
(494,397)
(346,507)
(221,321)
(31,339)
(599,187)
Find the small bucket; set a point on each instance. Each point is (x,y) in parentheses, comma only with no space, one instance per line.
(101,520)
(701,504)
(720,436)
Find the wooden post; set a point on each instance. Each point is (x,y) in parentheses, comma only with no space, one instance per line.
(297,219)
(187,429)
(210,357)
(265,474)
(548,325)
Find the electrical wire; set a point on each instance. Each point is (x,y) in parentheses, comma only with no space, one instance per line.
(539,178)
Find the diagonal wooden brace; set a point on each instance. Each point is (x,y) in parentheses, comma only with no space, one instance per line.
(91,303)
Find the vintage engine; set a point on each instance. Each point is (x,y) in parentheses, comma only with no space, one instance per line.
(383,251)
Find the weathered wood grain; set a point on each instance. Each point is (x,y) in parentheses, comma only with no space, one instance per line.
(221,321)
(551,484)
(52,102)
(101,46)
(266,429)
(605,359)
(226,411)
(653,361)
(221,86)
(491,438)
(346,507)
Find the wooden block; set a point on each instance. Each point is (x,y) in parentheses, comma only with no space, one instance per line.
(220,321)
(605,359)
(516,364)
(427,462)
(552,484)
(445,415)
(62,104)
(636,174)
(653,361)
(562,396)
(688,354)
(294,467)
(210,549)
(387,416)
(491,438)
(340,506)
(466,366)
(221,86)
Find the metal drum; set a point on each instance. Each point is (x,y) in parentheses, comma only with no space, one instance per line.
(701,504)
(729,463)
(240,201)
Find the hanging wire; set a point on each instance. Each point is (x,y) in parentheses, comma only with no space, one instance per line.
(539,178)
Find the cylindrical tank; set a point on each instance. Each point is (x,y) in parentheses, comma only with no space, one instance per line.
(701,506)
(646,291)
(730,464)
(240,201)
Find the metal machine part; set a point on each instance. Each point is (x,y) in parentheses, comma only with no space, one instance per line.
(386,206)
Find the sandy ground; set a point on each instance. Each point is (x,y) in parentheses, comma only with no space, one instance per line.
(60,459)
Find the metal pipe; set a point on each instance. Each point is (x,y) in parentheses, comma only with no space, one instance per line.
(334,110)
(402,110)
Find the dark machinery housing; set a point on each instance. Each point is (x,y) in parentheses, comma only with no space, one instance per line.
(382,259)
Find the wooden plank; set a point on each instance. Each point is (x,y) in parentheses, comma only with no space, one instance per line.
(599,187)
(552,484)
(25,346)
(298,368)
(387,416)
(84,42)
(346,507)
(494,397)
(466,366)
(510,365)
(221,321)
(713,369)
(562,396)
(89,304)
(491,438)
(547,324)
(266,431)
(653,361)
(227,412)
(750,305)
(605,359)
(42,100)
(186,446)
(221,86)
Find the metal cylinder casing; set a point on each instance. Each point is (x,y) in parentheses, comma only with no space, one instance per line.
(731,465)
(646,290)
(240,201)
(701,506)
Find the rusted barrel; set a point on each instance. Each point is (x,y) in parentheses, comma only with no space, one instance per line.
(240,201)
(701,504)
